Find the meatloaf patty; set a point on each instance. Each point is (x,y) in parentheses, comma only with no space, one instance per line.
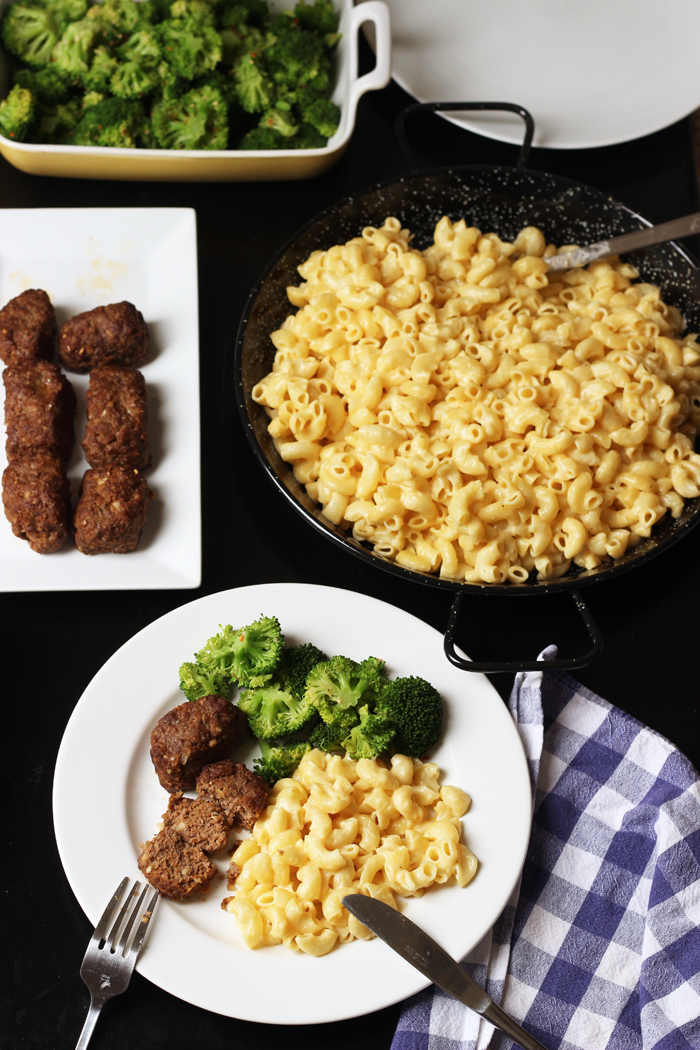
(108,335)
(27,328)
(116,418)
(39,410)
(175,867)
(240,792)
(198,821)
(193,734)
(36,497)
(111,510)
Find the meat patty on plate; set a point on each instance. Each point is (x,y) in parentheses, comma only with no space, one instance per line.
(192,735)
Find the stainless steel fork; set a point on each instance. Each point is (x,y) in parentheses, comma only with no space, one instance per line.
(108,965)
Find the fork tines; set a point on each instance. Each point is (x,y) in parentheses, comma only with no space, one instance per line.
(126,920)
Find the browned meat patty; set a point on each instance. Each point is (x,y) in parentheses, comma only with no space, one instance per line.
(198,821)
(27,328)
(108,335)
(111,510)
(191,735)
(175,867)
(39,410)
(36,497)
(116,418)
(240,792)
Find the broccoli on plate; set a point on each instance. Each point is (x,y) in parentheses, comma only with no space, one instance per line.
(340,683)
(370,737)
(272,708)
(278,762)
(415,708)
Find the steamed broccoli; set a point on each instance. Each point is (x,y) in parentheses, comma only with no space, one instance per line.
(30,31)
(415,708)
(254,90)
(280,122)
(18,114)
(196,120)
(295,56)
(247,652)
(298,662)
(73,52)
(323,115)
(264,138)
(272,709)
(58,122)
(101,70)
(340,683)
(277,763)
(47,85)
(133,80)
(113,122)
(123,16)
(68,10)
(197,681)
(199,10)
(189,46)
(142,46)
(307,138)
(319,16)
(330,737)
(370,737)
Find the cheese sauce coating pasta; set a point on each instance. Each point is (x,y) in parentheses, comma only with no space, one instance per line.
(339,826)
(467,413)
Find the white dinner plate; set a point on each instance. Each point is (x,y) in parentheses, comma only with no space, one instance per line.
(107,800)
(591,72)
(87,257)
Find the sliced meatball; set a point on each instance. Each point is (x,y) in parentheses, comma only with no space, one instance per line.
(198,821)
(27,328)
(39,410)
(111,510)
(36,498)
(240,792)
(108,335)
(175,867)
(191,735)
(116,418)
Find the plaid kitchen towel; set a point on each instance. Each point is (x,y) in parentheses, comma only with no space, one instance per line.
(599,946)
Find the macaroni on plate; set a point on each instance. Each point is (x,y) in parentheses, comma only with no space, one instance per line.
(338,826)
(466,413)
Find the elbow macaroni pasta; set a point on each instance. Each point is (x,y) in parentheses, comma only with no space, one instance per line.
(467,414)
(337,827)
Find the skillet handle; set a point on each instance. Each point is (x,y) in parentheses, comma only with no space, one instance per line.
(524,665)
(438,107)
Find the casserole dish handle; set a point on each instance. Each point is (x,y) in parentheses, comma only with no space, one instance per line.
(447,107)
(378,13)
(496,666)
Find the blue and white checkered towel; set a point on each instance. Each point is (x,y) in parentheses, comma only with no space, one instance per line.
(599,946)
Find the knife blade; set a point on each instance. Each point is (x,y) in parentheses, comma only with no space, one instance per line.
(415,946)
(626,242)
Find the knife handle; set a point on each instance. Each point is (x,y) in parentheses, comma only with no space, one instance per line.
(511,1028)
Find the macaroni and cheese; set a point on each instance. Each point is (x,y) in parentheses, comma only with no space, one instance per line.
(337,827)
(467,413)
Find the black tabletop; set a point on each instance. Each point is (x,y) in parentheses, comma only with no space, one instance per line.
(53,643)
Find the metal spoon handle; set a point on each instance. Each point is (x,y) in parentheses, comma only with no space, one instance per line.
(627,242)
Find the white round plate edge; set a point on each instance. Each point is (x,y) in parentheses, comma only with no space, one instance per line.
(171,958)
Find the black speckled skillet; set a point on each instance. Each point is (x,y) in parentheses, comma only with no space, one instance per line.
(504,199)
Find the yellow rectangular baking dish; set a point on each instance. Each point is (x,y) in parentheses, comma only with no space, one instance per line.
(101,162)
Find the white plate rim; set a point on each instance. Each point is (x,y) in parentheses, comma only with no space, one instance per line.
(357,978)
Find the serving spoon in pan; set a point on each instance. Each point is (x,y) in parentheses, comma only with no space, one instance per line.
(627,242)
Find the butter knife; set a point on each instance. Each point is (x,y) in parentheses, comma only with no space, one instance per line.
(417,948)
(627,242)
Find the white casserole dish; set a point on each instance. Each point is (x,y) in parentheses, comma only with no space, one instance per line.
(101,162)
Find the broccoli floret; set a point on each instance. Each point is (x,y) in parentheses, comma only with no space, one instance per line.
(197,120)
(319,16)
(241,40)
(197,681)
(277,763)
(307,138)
(30,31)
(245,13)
(323,115)
(73,52)
(265,138)
(199,10)
(370,737)
(280,122)
(170,85)
(58,122)
(102,69)
(190,47)
(330,737)
(133,80)
(340,683)
(124,16)
(254,90)
(18,113)
(247,652)
(298,662)
(273,710)
(415,708)
(47,85)
(143,47)
(91,98)
(68,10)
(296,56)
(113,122)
